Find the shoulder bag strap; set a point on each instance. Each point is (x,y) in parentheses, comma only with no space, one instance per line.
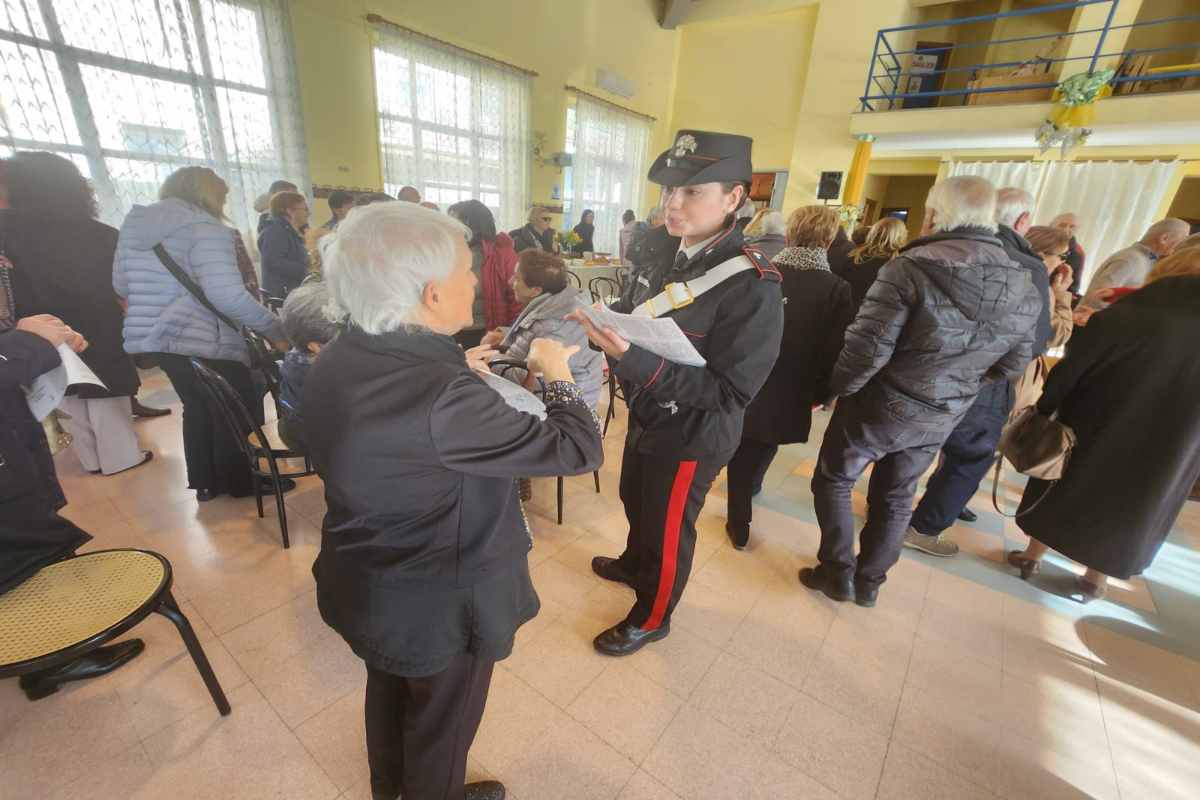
(193,288)
(996,493)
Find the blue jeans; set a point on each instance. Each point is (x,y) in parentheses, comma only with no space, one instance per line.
(967,456)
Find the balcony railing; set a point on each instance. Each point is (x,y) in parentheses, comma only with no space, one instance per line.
(915,76)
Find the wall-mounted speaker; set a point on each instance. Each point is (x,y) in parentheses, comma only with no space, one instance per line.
(830,187)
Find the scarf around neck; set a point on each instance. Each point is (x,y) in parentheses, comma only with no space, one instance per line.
(802,258)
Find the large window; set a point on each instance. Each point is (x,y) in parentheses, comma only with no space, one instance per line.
(453,124)
(131,90)
(608,172)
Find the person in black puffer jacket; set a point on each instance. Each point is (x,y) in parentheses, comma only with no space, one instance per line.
(970,451)
(951,309)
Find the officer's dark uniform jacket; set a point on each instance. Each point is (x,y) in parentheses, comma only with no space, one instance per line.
(691,412)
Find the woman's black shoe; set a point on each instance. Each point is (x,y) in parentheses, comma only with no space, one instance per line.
(839,589)
(204,495)
(608,569)
(100,661)
(140,410)
(967,515)
(624,639)
(739,535)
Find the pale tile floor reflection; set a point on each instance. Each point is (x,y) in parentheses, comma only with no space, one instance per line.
(963,683)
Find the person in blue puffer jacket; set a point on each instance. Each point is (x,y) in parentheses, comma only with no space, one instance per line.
(166,320)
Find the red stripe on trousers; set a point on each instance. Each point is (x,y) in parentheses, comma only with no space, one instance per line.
(675,509)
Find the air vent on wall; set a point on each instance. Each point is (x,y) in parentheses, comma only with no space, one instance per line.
(613,82)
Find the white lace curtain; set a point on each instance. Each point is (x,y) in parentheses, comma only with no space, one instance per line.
(453,124)
(608,171)
(131,90)
(1116,201)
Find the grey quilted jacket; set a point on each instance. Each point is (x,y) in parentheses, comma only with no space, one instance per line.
(162,316)
(950,309)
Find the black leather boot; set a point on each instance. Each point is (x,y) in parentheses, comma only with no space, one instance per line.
(624,639)
(610,570)
(839,589)
(865,594)
(101,661)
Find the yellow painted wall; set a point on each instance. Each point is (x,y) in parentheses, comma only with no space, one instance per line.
(841,54)
(565,42)
(746,75)
(875,189)
(1187,201)
(909,191)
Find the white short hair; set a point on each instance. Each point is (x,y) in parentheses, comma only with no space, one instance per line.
(963,201)
(1170,227)
(1011,203)
(380,259)
(773,223)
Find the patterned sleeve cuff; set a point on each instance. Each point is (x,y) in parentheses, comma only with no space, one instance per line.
(567,393)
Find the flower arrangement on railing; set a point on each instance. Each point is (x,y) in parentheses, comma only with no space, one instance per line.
(568,240)
(849,216)
(1075,109)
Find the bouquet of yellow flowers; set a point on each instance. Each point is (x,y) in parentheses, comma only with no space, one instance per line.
(568,240)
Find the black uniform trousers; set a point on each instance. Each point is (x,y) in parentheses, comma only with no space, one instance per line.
(747,469)
(901,451)
(420,729)
(662,497)
(967,456)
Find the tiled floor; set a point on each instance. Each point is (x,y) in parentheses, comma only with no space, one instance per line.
(963,682)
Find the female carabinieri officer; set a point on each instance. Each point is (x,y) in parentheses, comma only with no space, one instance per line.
(685,422)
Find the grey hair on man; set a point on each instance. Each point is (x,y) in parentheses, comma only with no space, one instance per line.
(964,201)
(774,224)
(305,315)
(379,261)
(1014,208)
(1164,236)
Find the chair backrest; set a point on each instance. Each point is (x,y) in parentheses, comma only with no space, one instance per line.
(575,279)
(603,287)
(238,419)
(265,359)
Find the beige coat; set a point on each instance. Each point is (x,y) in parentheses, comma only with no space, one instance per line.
(1029,386)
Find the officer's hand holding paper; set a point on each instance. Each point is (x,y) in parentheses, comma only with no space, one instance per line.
(658,335)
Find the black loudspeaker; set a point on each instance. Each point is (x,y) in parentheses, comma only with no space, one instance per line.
(830,186)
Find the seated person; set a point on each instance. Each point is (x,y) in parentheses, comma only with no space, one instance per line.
(309,329)
(540,284)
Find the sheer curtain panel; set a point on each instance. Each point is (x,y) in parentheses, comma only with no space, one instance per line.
(608,172)
(453,124)
(131,90)
(1116,201)
(1028,175)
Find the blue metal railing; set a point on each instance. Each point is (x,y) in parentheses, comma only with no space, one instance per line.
(887,74)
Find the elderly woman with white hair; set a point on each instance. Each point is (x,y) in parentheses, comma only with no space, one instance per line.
(423,566)
(767,232)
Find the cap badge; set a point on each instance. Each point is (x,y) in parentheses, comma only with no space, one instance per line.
(685,144)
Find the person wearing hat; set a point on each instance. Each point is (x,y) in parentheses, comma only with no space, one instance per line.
(685,422)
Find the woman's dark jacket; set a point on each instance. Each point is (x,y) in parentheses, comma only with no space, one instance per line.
(862,276)
(527,237)
(65,268)
(586,233)
(424,544)
(1128,388)
(691,412)
(284,259)
(817,308)
(32,534)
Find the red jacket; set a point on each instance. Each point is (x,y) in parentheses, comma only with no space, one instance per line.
(500,306)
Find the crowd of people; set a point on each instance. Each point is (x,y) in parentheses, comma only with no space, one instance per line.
(389,312)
